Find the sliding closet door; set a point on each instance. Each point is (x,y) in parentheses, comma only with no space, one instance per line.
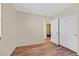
(71,32)
(54,31)
(62,31)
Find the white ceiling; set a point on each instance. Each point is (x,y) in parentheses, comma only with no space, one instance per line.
(46,9)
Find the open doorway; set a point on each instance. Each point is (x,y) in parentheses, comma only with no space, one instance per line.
(47,31)
(48,28)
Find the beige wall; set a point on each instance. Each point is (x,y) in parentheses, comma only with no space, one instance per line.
(30,28)
(78,34)
(0,20)
(8,27)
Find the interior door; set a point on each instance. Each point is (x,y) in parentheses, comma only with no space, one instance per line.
(71,32)
(62,31)
(54,31)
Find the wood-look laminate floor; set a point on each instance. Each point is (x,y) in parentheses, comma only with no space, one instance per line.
(46,49)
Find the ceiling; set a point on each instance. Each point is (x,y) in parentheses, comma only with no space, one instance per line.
(46,9)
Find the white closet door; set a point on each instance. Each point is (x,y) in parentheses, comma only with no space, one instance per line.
(62,31)
(71,32)
(54,31)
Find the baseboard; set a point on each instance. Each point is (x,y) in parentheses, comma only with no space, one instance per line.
(68,49)
(55,43)
(33,44)
(36,44)
(13,51)
(78,53)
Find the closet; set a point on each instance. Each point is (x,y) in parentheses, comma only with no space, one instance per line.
(64,31)
(68,31)
(71,32)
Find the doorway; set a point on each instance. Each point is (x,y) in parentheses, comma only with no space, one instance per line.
(48,31)
(48,28)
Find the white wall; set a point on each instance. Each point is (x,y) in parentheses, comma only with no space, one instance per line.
(8,27)
(30,28)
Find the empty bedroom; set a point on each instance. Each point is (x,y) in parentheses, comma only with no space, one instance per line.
(39,29)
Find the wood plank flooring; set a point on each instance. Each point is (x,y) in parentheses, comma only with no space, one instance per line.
(46,49)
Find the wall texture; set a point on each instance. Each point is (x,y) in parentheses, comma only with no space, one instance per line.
(8,27)
(30,28)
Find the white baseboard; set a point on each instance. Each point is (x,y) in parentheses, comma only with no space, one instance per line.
(11,51)
(78,53)
(29,44)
